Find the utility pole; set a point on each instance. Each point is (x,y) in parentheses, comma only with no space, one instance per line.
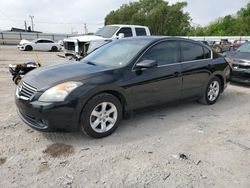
(85,28)
(25,25)
(32,23)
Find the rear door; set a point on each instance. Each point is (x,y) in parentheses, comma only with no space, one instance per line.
(159,84)
(196,68)
(44,45)
(38,45)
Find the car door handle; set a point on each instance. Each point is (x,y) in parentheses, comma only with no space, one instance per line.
(176,74)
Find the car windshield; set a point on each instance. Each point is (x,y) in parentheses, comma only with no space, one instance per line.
(34,41)
(244,48)
(107,31)
(117,53)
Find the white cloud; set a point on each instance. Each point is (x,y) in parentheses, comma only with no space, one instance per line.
(64,16)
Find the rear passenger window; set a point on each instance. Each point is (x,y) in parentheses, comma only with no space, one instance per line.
(191,51)
(140,32)
(127,31)
(164,53)
(207,53)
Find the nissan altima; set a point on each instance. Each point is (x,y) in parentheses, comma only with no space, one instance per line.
(93,95)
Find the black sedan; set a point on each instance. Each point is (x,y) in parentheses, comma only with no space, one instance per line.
(240,60)
(94,94)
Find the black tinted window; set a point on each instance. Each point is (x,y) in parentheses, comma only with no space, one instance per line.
(126,31)
(191,51)
(140,31)
(45,41)
(207,53)
(163,53)
(48,41)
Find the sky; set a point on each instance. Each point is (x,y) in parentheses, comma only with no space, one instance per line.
(64,16)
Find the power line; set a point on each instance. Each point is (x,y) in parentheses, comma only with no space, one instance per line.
(5,15)
(46,22)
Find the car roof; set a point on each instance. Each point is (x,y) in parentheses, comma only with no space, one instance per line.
(153,39)
(159,38)
(44,39)
(124,25)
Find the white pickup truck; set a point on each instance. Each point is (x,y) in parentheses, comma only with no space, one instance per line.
(83,45)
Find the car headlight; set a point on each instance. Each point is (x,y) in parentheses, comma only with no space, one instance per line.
(59,92)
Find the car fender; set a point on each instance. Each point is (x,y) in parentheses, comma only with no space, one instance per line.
(92,91)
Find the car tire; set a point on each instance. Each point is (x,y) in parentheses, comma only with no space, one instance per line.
(54,49)
(17,79)
(212,92)
(101,115)
(28,48)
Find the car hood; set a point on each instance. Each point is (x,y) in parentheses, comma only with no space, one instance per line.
(85,38)
(46,77)
(239,55)
(24,42)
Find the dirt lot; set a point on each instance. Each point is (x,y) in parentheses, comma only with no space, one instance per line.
(143,152)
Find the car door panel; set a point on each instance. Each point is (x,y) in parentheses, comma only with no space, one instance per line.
(159,84)
(196,67)
(195,76)
(152,86)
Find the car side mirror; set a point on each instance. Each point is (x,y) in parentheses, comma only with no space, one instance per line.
(121,35)
(146,64)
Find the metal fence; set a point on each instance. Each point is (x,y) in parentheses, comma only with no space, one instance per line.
(13,38)
(218,38)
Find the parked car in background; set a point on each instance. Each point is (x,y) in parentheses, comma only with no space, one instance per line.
(221,46)
(132,73)
(240,60)
(210,43)
(236,44)
(83,45)
(40,44)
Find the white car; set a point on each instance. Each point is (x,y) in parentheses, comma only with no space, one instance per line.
(39,44)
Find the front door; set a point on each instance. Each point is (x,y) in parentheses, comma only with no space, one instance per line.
(158,84)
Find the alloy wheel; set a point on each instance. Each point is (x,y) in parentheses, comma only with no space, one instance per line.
(213,91)
(103,117)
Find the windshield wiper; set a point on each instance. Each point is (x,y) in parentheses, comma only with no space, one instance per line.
(90,63)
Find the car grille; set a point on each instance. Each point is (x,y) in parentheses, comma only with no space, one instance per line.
(25,91)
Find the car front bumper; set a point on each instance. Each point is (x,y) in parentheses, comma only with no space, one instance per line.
(48,116)
(242,76)
(21,47)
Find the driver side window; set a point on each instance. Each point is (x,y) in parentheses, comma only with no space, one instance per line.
(126,31)
(164,53)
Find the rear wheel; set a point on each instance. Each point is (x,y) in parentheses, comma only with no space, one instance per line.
(212,92)
(101,115)
(28,48)
(54,49)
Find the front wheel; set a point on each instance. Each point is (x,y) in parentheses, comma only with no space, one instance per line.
(212,92)
(101,115)
(28,48)
(17,79)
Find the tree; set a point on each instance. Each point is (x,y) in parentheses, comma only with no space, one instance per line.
(230,25)
(158,15)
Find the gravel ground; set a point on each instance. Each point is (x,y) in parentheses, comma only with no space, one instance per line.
(183,145)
